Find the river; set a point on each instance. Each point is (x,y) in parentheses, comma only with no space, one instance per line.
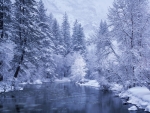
(62,98)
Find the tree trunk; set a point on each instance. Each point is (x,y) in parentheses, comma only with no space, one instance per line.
(1,18)
(18,68)
(22,43)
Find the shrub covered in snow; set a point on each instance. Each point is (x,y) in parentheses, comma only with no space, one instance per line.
(103,83)
(78,69)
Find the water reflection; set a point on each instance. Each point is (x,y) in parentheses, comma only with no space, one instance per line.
(61,98)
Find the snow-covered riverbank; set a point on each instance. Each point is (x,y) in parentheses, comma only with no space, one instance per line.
(139,96)
(7,86)
(90,83)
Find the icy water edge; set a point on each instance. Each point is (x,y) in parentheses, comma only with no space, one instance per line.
(62,98)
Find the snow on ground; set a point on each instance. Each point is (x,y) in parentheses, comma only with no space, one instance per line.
(63,80)
(37,82)
(116,87)
(8,89)
(139,96)
(5,87)
(132,108)
(92,83)
(2,90)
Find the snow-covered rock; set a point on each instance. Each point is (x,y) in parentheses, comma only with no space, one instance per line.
(147,108)
(140,96)
(37,82)
(132,108)
(63,80)
(92,83)
(116,87)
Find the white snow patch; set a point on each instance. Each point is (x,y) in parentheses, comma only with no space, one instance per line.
(140,96)
(37,82)
(23,83)
(133,108)
(6,90)
(92,83)
(63,80)
(116,87)
(147,108)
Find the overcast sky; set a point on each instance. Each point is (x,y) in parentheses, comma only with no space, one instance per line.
(79,7)
(88,12)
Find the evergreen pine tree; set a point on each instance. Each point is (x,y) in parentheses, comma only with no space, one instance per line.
(78,44)
(5,37)
(46,43)
(58,41)
(66,35)
(1,17)
(26,36)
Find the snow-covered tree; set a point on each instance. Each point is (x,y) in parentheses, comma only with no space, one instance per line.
(6,45)
(6,18)
(78,69)
(1,17)
(57,39)
(46,46)
(26,36)
(104,53)
(91,60)
(129,20)
(66,34)
(102,46)
(66,44)
(50,21)
(42,12)
(78,44)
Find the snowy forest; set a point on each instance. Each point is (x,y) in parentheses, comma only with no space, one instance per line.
(35,46)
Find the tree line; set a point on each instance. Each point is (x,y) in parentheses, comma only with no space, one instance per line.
(122,44)
(33,45)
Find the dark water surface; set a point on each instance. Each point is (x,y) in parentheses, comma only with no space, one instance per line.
(61,98)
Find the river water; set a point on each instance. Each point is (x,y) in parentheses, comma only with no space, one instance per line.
(61,98)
